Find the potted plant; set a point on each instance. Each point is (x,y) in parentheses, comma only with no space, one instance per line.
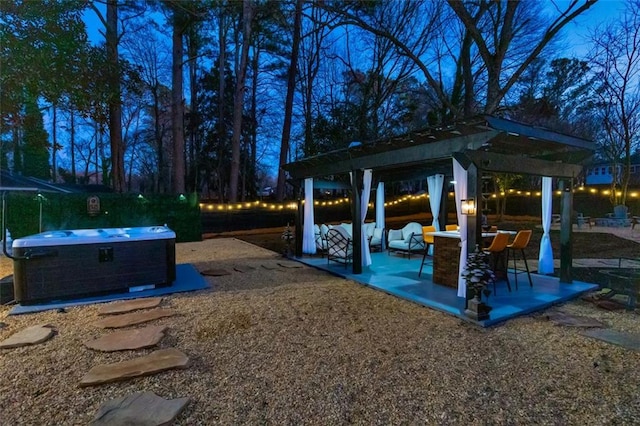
(287,237)
(478,275)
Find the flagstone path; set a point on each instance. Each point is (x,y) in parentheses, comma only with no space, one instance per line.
(562,318)
(129,305)
(155,362)
(140,409)
(133,318)
(28,336)
(626,340)
(123,340)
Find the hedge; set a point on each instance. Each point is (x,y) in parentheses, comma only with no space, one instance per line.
(70,211)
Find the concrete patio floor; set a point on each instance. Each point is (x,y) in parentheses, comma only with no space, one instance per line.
(398,276)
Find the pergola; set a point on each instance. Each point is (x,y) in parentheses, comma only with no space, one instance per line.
(482,144)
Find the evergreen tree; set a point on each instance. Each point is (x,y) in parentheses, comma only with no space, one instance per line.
(35,143)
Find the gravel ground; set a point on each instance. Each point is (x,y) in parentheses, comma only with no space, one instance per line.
(299,346)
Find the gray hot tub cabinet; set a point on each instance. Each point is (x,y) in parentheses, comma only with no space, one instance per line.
(59,265)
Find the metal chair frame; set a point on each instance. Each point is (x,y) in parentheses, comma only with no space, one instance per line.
(520,242)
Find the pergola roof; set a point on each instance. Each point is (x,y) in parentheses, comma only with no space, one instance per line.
(491,143)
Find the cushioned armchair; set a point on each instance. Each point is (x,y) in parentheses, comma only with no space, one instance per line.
(406,240)
(339,247)
(320,235)
(374,236)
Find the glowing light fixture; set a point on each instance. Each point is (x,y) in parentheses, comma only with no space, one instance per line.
(468,206)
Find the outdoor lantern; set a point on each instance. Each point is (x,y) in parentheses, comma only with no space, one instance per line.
(468,206)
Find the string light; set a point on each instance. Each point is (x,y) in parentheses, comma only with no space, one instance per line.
(403,199)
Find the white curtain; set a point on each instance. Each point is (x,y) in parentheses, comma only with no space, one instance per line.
(460,177)
(364,205)
(380,208)
(434,183)
(545,260)
(308,237)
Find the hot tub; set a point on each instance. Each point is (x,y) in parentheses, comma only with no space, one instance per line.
(58,265)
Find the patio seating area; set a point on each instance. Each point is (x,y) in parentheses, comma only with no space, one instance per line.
(398,276)
(619,218)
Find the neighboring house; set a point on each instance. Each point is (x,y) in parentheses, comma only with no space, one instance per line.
(602,174)
(14,182)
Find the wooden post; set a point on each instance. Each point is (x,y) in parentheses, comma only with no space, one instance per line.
(356,220)
(298,221)
(566,231)
(444,198)
(474,190)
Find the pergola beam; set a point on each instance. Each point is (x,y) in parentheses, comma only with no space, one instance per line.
(408,155)
(502,163)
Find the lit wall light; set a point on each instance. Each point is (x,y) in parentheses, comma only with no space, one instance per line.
(468,206)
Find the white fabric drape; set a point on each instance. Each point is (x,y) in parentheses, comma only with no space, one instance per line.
(308,236)
(545,260)
(460,177)
(434,183)
(380,208)
(364,205)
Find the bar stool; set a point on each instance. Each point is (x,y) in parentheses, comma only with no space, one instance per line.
(428,242)
(496,249)
(452,227)
(520,242)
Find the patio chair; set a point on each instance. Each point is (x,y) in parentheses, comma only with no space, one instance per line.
(339,246)
(405,240)
(320,235)
(428,242)
(583,220)
(619,217)
(497,251)
(374,236)
(520,242)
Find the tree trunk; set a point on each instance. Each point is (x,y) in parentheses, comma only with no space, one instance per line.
(72,143)
(17,154)
(54,136)
(222,136)
(194,120)
(288,107)
(177,109)
(238,101)
(115,107)
(160,180)
(254,107)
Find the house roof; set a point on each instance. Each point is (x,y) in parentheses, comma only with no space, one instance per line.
(491,143)
(14,182)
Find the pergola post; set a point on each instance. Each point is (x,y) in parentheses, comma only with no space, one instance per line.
(444,198)
(356,219)
(474,190)
(299,188)
(566,231)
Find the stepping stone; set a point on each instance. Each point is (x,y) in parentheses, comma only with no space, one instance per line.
(128,339)
(609,305)
(626,340)
(243,268)
(562,318)
(270,267)
(29,336)
(215,272)
(155,362)
(124,320)
(290,265)
(130,305)
(141,409)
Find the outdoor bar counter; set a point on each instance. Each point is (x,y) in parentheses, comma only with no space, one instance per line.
(446,256)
